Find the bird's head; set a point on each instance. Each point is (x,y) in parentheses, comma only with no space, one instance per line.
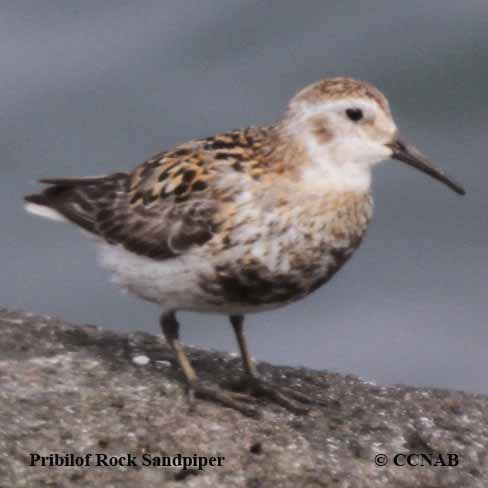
(345,127)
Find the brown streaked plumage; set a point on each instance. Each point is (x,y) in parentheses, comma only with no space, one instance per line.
(337,88)
(243,221)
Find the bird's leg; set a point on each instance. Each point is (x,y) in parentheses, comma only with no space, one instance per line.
(237,322)
(171,331)
(258,386)
(170,328)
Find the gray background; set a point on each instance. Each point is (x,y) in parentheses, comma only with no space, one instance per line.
(94,87)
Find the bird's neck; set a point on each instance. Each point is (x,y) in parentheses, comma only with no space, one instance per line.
(317,167)
(321,173)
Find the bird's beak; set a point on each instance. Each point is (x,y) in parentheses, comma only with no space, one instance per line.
(412,156)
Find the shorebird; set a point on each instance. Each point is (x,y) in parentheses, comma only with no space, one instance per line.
(244,221)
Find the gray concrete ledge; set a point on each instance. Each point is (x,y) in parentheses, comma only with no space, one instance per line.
(82,390)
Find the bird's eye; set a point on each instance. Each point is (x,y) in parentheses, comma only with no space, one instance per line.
(354,114)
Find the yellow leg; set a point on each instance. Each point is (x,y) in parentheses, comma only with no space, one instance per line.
(258,386)
(237,322)
(170,328)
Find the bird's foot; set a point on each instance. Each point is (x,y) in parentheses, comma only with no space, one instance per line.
(288,398)
(246,393)
(237,401)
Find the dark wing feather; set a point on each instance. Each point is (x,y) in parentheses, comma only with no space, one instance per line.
(169,203)
(78,199)
(169,206)
(160,210)
(159,230)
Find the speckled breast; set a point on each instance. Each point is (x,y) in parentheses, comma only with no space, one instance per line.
(282,254)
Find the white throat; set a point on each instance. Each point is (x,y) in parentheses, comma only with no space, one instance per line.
(340,172)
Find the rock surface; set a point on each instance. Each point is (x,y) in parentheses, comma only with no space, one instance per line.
(81,390)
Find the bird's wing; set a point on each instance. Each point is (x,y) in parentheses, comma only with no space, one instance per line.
(167,204)
(160,210)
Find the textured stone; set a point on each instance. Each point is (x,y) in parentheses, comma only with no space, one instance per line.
(77,389)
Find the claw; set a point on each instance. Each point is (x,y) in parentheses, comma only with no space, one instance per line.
(228,399)
(261,388)
(301,397)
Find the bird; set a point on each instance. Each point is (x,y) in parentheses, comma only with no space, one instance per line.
(244,221)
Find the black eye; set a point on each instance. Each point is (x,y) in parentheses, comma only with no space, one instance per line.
(354,114)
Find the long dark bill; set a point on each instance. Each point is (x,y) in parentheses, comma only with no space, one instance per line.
(413,157)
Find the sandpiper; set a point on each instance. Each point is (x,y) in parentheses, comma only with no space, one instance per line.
(244,221)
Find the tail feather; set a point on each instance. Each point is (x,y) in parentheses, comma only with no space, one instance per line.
(84,180)
(37,199)
(42,210)
(75,199)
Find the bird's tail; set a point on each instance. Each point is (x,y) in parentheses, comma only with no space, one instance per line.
(76,200)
